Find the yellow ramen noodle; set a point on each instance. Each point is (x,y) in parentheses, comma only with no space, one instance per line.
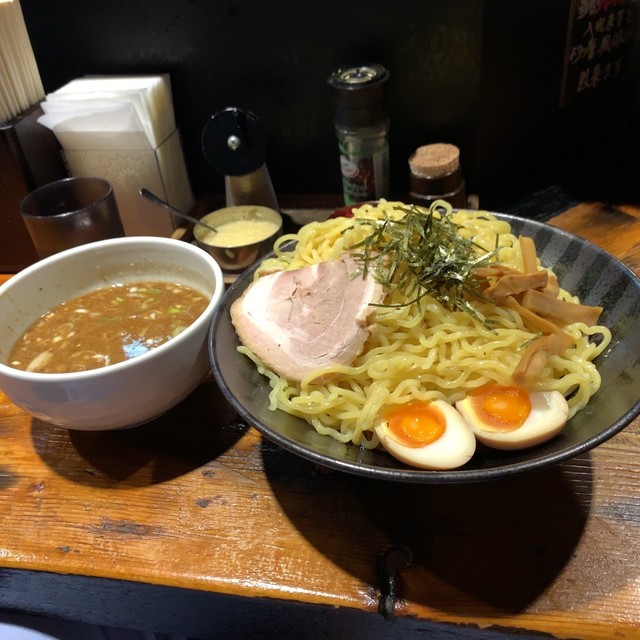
(423,351)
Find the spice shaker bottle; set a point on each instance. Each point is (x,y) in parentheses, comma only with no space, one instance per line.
(435,174)
(234,142)
(362,128)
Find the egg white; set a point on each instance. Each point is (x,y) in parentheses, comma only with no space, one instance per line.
(549,414)
(454,448)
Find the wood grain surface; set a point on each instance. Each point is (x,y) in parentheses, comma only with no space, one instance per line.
(200,503)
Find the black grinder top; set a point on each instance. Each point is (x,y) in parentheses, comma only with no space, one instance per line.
(234,142)
(358,95)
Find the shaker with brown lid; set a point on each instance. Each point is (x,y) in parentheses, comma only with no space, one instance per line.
(435,174)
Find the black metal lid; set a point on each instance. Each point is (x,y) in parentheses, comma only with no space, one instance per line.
(358,94)
(234,142)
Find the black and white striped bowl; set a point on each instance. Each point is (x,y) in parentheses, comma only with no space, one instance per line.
(586,270)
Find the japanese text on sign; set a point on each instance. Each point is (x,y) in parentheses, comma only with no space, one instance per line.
(598,42)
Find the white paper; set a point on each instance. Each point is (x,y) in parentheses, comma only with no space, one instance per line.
(124,104)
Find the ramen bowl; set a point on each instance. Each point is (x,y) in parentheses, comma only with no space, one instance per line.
(244,234)
(594,275)
(127,393)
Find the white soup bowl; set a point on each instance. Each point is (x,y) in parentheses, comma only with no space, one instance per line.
(128,393)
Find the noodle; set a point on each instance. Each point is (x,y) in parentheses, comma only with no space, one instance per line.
(423,351)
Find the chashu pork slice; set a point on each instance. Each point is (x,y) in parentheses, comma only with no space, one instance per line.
(306,319)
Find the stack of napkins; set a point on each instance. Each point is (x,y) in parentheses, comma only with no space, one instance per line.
(123,129)
(139,105)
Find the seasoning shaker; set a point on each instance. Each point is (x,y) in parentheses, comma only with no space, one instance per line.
(234,143)
(362,129)
(435,174)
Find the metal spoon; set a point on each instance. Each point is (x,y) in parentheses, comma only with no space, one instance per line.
(161,203)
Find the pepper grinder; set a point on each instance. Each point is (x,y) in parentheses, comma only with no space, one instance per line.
(362,129)
(234,143)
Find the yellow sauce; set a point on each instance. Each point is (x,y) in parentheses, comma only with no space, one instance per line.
(239,232)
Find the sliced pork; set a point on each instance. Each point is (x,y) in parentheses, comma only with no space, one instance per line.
(302,320)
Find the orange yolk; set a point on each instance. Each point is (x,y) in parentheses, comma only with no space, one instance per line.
(501,408)
(416,424)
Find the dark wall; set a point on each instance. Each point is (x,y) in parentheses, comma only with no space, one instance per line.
(518,120)
(530,133)
(483,74)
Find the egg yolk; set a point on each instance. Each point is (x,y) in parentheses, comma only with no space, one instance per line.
(501,408)
(416,424)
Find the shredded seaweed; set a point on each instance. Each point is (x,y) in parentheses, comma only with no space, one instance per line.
(423,253)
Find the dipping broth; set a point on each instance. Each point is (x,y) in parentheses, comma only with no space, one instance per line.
(238,232)
(106,326)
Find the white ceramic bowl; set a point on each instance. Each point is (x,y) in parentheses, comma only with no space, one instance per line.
(128,393)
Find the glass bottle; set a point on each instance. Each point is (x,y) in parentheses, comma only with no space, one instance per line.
(435,174)
(362,129)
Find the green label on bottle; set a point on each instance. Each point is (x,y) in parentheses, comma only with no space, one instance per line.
(365,177)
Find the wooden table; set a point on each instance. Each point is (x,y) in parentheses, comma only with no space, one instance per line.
(196,525)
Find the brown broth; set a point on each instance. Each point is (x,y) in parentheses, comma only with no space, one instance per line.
(106,326)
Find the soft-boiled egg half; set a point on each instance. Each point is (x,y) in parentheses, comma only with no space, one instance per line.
(510,417)
(428,435)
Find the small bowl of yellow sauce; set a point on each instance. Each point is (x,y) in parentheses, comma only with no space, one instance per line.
(244,233)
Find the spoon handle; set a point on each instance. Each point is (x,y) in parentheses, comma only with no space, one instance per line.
(152,197)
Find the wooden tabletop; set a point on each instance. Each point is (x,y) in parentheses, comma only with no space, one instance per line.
(195,524)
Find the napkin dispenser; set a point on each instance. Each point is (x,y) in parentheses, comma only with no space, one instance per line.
(129,166)
(122,128)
